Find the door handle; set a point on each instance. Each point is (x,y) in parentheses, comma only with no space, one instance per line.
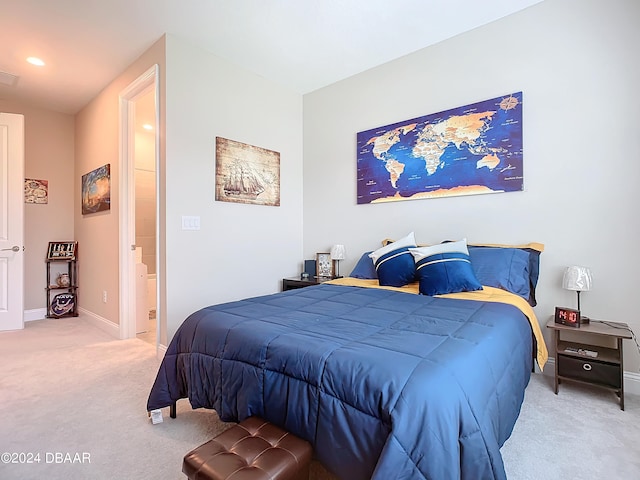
(15,248)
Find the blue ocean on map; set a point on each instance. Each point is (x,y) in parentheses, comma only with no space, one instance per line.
(467,150)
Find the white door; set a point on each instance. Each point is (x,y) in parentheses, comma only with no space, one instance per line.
(11,221)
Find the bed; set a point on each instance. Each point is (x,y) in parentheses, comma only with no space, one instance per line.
(384,383)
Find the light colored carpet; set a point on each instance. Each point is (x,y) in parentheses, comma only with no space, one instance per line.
(67,388)
(580,433)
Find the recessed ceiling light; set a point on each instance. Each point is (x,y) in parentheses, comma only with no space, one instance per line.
(146,126)
(36,61)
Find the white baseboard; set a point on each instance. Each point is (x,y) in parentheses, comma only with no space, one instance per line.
(96,320)
(100,322)
(631,379)
(34,314)
(160,351)
(632,383)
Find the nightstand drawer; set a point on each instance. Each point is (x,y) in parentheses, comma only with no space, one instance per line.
(589,370)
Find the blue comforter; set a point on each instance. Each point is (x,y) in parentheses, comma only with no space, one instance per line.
(384,384)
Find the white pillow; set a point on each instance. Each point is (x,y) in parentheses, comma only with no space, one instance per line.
(423,252)
(408,241)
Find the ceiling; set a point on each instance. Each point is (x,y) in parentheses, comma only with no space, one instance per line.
(302,45)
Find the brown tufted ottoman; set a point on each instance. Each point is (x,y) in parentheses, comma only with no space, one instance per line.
(252,450)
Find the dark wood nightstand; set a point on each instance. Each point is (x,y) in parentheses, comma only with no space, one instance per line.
(296,282)
(573,362)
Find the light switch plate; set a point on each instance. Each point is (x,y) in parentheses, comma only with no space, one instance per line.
(190,222)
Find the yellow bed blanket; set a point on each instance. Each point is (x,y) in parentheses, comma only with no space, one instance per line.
(487,294)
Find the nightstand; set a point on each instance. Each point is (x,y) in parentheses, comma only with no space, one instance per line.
(606,369)
(296,282)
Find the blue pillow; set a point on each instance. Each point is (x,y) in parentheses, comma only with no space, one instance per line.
(534,271)
(481,255)
(445,268)
(394,263)
(505,268)
(364,268)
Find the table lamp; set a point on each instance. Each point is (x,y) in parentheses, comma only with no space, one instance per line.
(337,254)
(578,279)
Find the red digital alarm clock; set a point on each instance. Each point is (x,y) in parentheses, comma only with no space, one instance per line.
(568,316)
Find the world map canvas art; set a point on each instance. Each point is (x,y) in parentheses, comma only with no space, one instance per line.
(467,150)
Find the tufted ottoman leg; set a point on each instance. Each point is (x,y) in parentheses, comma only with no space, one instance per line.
(252,450)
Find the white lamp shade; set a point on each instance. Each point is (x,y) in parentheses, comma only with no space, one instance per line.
(577,278)
(338,252)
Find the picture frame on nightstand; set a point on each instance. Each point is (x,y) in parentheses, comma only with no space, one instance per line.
(310,268)
(324,265)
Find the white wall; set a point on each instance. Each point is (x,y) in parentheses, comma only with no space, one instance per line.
(241,250)
(577,65)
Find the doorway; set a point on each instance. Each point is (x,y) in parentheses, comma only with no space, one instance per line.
(139,209)
(144,167)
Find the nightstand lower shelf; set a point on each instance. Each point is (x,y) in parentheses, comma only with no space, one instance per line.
(588,370)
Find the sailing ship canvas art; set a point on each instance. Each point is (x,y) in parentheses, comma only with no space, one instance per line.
(246,173)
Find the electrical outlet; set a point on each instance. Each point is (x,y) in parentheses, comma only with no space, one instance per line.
(104,296)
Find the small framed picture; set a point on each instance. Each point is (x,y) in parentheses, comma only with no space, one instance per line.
(324,265)
(62,250)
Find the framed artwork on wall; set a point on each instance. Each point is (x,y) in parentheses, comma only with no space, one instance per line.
(246,173)
(467,150)
(96,190)
(36,191)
